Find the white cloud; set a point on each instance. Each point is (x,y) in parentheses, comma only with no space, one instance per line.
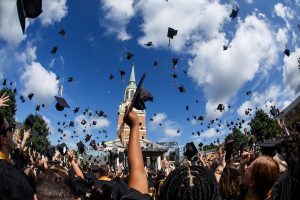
(49,125)
(42,83)
(53,11)
(249,1)
(117,16)
(159,15)
(285,13)
(281,37)
(291,78)
(208,134)
(215,76)
(168,127)
(10,28)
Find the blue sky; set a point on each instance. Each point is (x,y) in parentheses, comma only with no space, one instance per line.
(100,32)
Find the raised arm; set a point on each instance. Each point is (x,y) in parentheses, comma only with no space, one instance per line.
(137,178)
(74,165)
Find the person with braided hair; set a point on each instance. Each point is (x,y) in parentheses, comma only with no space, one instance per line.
(190,183)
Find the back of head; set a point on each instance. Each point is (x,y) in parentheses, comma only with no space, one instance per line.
(190,182)
(265,172)
(103,170)
(103,192)
(54,184)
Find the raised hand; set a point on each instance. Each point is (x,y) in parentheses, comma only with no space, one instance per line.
(131,118)
(4,99)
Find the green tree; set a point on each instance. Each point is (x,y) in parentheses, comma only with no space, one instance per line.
(240,140)
(264,127)
(41,142)
(9,111)
(209,147)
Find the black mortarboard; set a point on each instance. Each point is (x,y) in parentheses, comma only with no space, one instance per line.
(61,103)
(181,88)
(37,108)
(174,75)
(93,144)
(71,124)
(94,122)
(81,147)
(201,118)
(122,73)
(287,52)
(62,32)
(129,55)
(54,50)
(234,12)
(221,107)
(70,79)
(274,111)
(155,63)
(171,33)
(30,96)
(83,122)
(190,150)
(28,9)
(50,152)
(76,110)
(248,93)
(4,82)
(141,96)
(175,61)
(225,47)
(15,90)
(149,44)
(30,121)
(268,147)
(87,137)
(62,148)
(111,77)
(187,108)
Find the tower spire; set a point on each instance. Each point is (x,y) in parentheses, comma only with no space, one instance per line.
(132,76)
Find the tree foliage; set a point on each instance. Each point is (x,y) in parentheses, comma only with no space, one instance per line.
(41,142)
(209,147)
(240,140)
(10,110)
(264,127)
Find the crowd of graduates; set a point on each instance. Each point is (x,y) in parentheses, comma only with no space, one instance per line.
(270,171)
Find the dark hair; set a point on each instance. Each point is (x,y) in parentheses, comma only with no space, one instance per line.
(54,184)
(103,170)
(3,128)
(190,182)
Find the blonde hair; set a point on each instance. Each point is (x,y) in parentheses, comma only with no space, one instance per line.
(264,173)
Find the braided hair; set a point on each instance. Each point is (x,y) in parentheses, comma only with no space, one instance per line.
(190,183)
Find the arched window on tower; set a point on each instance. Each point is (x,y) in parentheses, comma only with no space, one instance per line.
(131,94)
(127,95)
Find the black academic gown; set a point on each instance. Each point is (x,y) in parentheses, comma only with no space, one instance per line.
(13,184)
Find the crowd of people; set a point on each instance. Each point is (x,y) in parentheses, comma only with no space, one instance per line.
(252,175)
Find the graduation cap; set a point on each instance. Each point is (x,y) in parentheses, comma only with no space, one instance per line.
(181,88)
(174,75)
(190,150)
(187,108)
(248,93)
(175,61)
(274,111)
(234,12)
(50,152)
(221,107)
(70,79)
(149,44)
(61,103)
(141,96)
(4,82)
(93,144)
(287,52)
(155,63)
(30,96)
(30,121)
(201,118)
(54,50)
(62,148)
(268,147)
(81,147)
(62,32)
(122,73)
(111,77)
(71,124)
(171,33)
(87,137)
(129,55)
(94,122)
(37,108)
(95,168)
(225,47)
(76,110)
(15,91)
(28,9)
